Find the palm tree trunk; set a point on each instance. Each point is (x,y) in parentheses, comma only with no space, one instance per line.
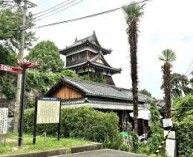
(167,89)
(134,76)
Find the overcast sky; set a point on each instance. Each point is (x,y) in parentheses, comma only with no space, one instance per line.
(165,24)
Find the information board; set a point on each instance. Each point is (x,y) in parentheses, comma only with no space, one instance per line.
(3,120)
(48,111)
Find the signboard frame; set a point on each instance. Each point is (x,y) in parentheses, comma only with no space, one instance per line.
(44,121)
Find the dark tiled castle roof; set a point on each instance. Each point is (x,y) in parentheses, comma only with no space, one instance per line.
(90,40)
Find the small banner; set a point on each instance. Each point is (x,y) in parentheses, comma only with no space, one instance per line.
(48,111)
(10,69)
(3,120)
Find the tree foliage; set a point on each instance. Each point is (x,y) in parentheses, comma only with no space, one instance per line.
(145,92)
(179,85)
(47,54)
(183,125)
(10,25)
(156,133)
(38,83)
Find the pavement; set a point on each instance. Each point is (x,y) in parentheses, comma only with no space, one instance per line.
(102,153)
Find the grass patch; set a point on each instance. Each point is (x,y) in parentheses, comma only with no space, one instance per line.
(42,144)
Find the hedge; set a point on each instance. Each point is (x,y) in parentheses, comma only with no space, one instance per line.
(81,122)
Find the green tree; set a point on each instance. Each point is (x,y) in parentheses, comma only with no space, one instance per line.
(47,54)
(167,57)
(133,13)
(179,85)
(10,24)
(145,92)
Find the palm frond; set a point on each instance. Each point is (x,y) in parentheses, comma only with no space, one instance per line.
(133,10)
(168,56)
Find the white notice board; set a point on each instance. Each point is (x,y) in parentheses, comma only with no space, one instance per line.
(48,111)
(3,120)
(167,122)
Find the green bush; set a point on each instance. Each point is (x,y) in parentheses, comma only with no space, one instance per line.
(82,122)
(183,125)
(184,136)
(116,142)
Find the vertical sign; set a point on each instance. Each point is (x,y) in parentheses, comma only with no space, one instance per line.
(3,120)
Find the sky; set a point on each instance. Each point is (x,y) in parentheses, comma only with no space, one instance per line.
(165,24)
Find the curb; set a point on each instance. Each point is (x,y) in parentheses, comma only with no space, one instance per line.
(59,151)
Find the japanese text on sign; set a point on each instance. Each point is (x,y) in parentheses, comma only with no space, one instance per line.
(48,111)
(3,120)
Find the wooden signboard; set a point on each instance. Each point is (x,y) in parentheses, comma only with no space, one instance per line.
(47,110)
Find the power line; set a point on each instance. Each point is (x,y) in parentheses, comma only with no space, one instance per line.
(175,108)
(57,11)
(88,16)
(80,18)
(51,8)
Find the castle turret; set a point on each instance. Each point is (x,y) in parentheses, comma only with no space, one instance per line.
(86,57)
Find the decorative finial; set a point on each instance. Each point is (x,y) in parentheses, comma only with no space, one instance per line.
(76,39)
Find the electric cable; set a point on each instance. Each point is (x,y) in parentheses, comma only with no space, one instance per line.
(58,11)
(52,9)
(85,17)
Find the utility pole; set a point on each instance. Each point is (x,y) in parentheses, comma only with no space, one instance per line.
(20,56)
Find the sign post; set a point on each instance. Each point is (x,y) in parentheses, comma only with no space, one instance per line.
(47,110)
(10,69)
(24,64)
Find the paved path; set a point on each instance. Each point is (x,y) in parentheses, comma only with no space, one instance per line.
(102,153)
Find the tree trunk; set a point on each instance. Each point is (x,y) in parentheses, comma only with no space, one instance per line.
(133,62)
(167,89)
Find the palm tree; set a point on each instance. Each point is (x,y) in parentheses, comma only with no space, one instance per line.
(133,12)
(167,57)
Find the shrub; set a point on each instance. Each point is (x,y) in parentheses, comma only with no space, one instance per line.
(156,133)
(82,122)
(183,125)
(184,136)
(116,142)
